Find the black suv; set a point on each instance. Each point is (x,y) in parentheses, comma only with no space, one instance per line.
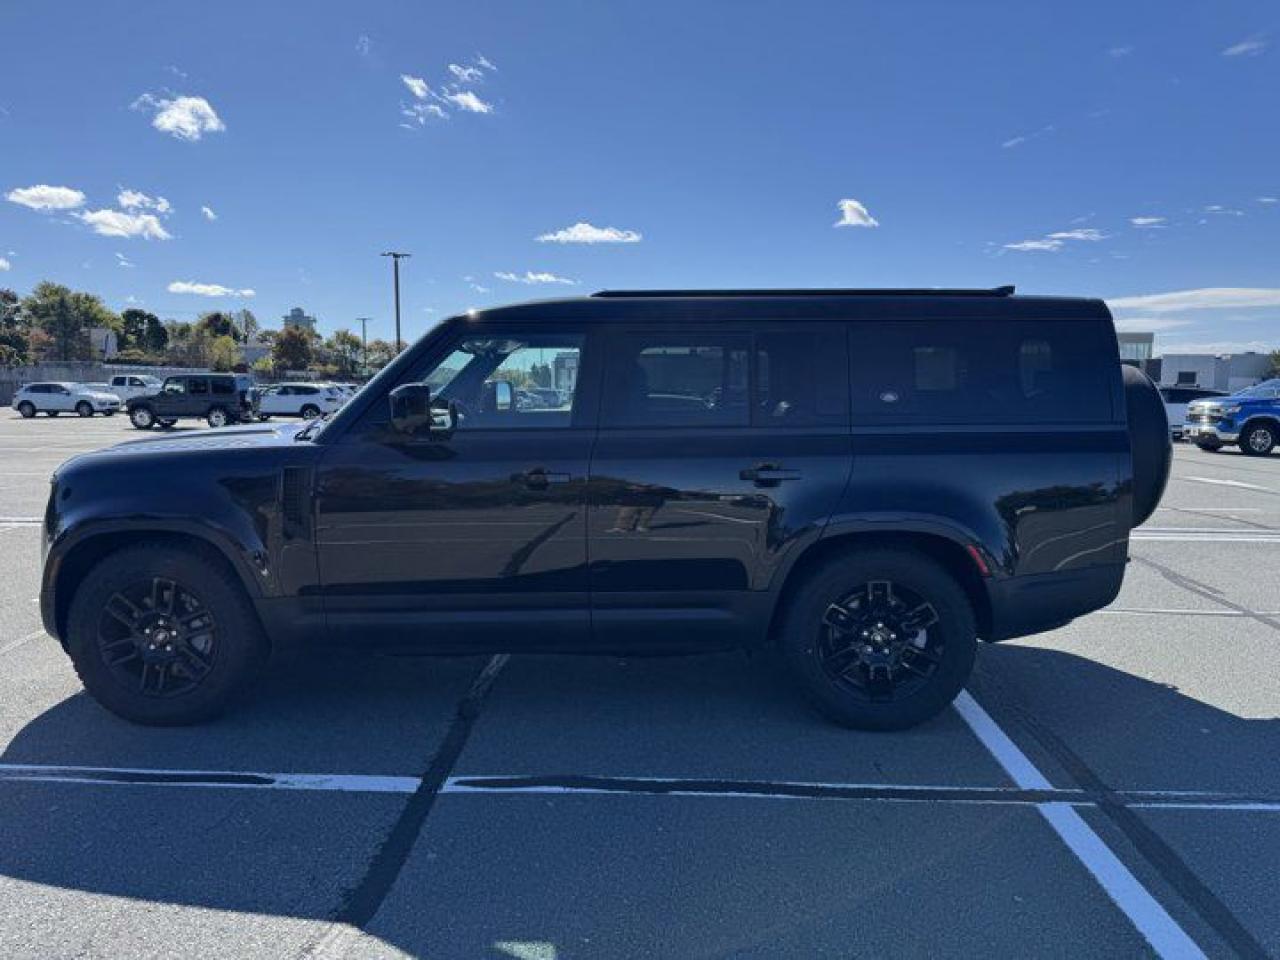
(217,398)
(868,481)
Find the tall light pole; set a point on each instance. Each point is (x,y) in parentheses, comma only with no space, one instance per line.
(364,343)
(395,267)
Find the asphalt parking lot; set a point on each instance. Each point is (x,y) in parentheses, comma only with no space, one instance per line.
(1107,788)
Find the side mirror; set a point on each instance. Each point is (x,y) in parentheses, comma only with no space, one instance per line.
(412,413)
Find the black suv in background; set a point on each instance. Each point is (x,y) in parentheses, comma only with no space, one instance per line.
(217,398)
(869,481)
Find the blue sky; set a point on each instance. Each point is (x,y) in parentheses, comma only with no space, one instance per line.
(1108,149)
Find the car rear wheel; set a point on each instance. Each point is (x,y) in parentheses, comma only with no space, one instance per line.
(142,418)
(166,424)
(1258,440)
(162,635)
(27,409)
(1212,446)
(880,639)
(218,417)
(310,411)
(84,408)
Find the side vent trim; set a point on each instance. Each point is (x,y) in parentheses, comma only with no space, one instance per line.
(295,495)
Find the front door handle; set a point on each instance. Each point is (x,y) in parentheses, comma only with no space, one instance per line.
(539,478)
(768,474)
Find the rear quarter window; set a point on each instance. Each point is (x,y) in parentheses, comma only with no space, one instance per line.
(981,372)
(225,387)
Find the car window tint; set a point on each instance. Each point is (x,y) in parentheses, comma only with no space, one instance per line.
(223,386)
(470,375)
(801,378)
(675,380)
(198,386)
(987,372)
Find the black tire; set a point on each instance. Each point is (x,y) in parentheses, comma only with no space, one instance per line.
(51,413)
(166,424)
(108,413)
(27,409)
(1212,446)
(310,412)
(1258,439)
(209,665)
(809,634)
(84,408)
(218,417)
(1149,442)
(143,418)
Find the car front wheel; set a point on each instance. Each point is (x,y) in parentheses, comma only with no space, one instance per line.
(27,409)
(1258,441)
(84,408)
(1210,446)
(310,412)
(217,417)
(163,635)
(142,418)
(880,639)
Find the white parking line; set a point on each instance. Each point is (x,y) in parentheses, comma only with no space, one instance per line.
(1243,536)
(15,644)
(1228,483)
(1161,931)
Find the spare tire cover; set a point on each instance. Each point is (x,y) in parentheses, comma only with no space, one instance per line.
(1149,442)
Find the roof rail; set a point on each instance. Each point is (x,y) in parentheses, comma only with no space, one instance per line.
(1005,291)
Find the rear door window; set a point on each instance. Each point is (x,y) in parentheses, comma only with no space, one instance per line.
(223,386)
(198,386)
(981,372)
(678,380)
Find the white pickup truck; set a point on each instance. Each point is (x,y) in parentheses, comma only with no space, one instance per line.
(126,386)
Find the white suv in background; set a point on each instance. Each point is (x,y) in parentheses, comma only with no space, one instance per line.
(56,398)
(306,400)
(126,386)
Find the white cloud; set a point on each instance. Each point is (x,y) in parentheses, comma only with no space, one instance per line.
(4,264)
(1086,234)
(1147,223)
(117,223)
(530,277)
(187,118)
(134,199)
(207,289)
(1034,135)
(1246,48)
(1269,199)
(854,214)
(583,232)
(1026,245)
(420,113)
(1217,347)
(1203,298)
(464,74)
(1149,324)
(363,45)
(208,213)
(1118,52)
(44,197)
(417,86)
(468,101)
(123,261)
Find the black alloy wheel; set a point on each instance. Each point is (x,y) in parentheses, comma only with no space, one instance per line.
(157,637)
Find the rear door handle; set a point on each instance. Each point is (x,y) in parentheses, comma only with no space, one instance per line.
(539,478)
(768,474)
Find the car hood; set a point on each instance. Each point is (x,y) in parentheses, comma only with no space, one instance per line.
(250,437)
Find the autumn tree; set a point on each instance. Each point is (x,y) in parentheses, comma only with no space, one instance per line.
(292,349)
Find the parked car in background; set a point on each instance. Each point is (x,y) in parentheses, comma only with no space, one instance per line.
(216,398)
(306,400)
(62,397)
(1249,418)
(126,386)
(1176,400)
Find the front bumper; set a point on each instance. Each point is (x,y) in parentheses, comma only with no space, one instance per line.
(1206,430)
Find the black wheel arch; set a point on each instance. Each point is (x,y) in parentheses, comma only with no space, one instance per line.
(80,556)
(951,554)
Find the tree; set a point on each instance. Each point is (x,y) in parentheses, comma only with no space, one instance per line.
(141,330)
(248,324)
(223,353)
(15,341)
(292,349)
(380,354)
(219,324)
(344,352)
(67,317)
(1275,364)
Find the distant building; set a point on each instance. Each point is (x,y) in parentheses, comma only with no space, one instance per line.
(297,318)
(103,342)
(564,371)
(1228,371)
(254,350)
(1137,347)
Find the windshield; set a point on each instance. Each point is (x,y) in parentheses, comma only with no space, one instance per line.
(1265,389)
